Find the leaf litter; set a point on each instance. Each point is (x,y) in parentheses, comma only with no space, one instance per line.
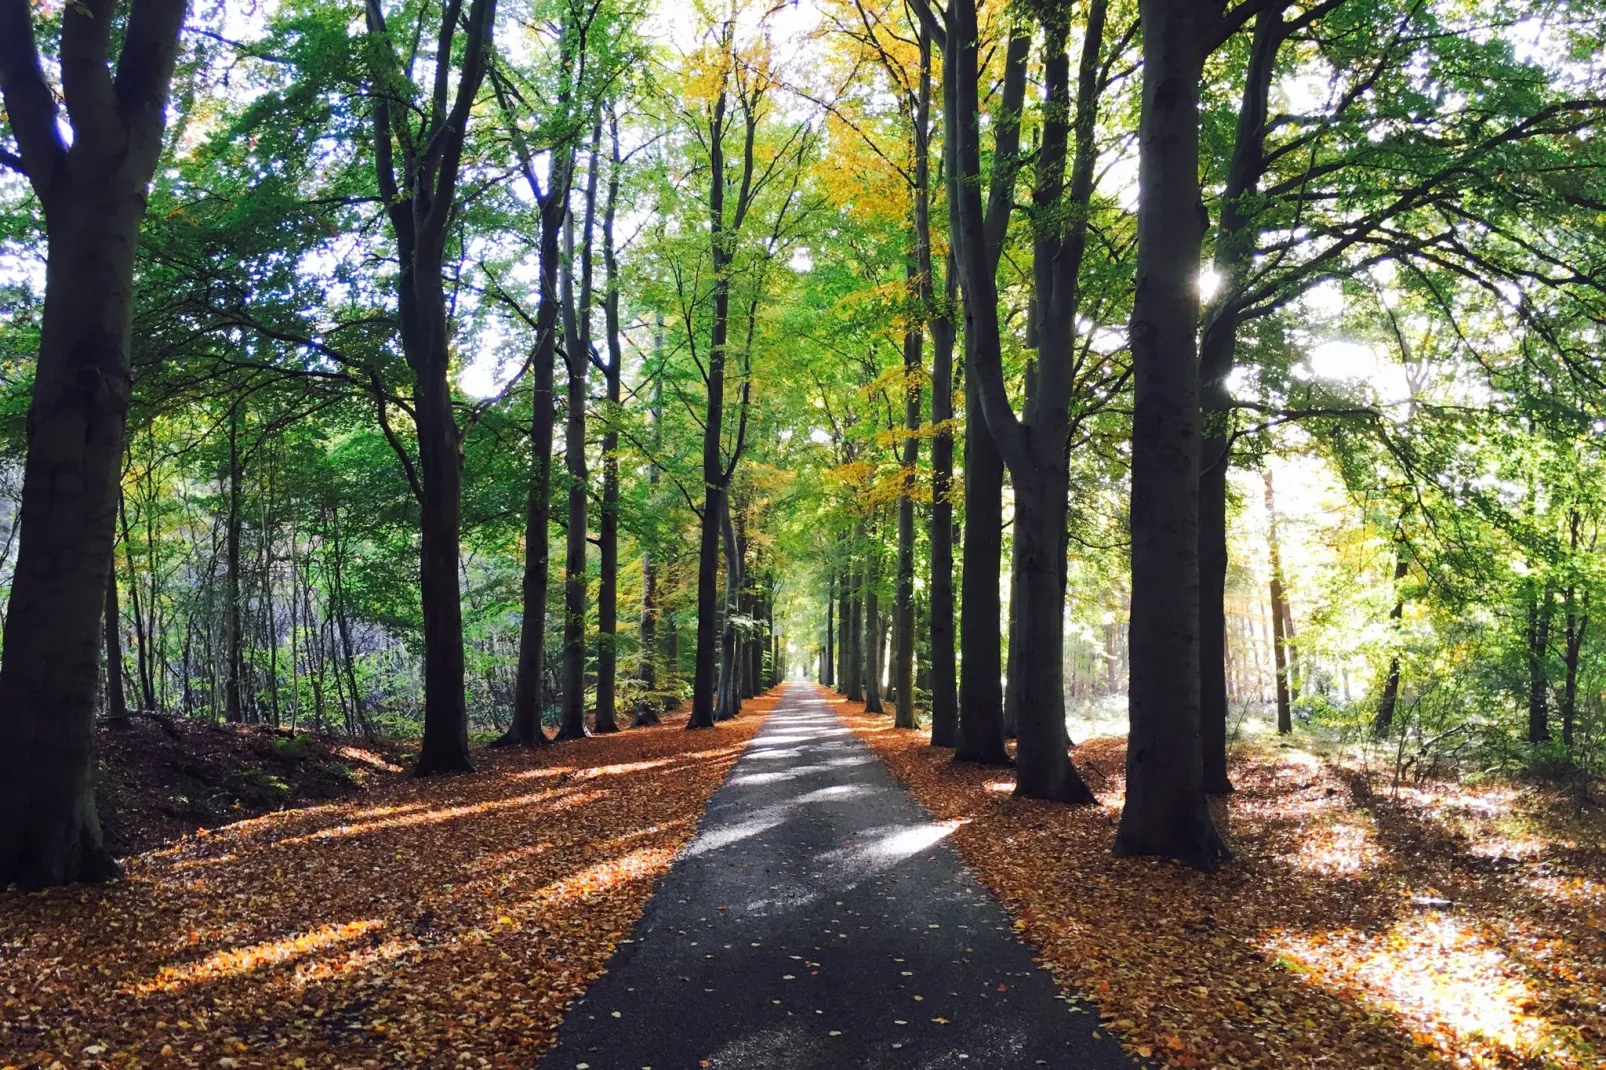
(1447,926)
(444,921)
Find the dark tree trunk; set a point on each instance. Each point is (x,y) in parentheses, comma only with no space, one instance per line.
(420,199)
(716,470)
(981,698)
(93,196)
(1575,625)
(1540,610)
(854,626)
(1166,812)
(976,252)
(1235,242)
(529,698)
(1383,720)
(828,665)
(944,668)
(1035,445)
(872,643)
(844,638)
(116,703)
(608,519)
(147,688)
(728,705)
(647,707)
(231,620)
(1279,640)
(577,361)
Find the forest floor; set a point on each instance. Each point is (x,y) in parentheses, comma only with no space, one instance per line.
(447,921)
(1356,928)
(157,778)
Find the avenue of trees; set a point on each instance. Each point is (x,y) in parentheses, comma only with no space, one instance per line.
(519,369)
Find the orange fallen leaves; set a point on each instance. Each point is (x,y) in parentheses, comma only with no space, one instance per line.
(1319,946)
(423,923)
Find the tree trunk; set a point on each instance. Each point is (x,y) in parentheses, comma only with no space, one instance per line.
(704,681)
(872,642)
(1575,625)
(93,195)
(1235,242)
(577,361)
(1043,768)
(854,640)
(647,707)
(1166,812)
(1539,617)
(1279,640)
(827,675)
(977,248)
(844,639)
(143,659)
(231,612)
(529,698)
(116,703)
(420,207)
(1383,720)
(608,519)
(728,705)
(444,748)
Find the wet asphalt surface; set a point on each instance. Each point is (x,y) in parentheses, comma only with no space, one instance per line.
(820,919)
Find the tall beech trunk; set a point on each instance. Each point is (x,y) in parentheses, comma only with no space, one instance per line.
(420,199)
(1279,612)
(1235,243)
(93,194)
(853,627)
(1166,812)
(872,653)
(920,287)
(529,698)
(728,704)
(231,619)
(1383,720)
(647,707)
(1575,624)
(724,226)
(981,696)
(977,245)
(608,516)
(1035,445)
(828,663)
(944,667)
(844,597)
(577,362)
(1540,612)
(143,660)
(116,701)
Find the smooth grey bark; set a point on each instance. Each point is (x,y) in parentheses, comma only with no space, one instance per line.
(116,700)
(1383,719)
(529,698)
(976,254)
(93,195)
(420,198)
(1034,446)
(577,363)
(1236,236)
(606,719)
(1166,813)
(1279,613)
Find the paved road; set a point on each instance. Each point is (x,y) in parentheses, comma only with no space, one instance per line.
(820,921)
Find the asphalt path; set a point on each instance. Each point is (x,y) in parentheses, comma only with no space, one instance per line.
(820,919)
